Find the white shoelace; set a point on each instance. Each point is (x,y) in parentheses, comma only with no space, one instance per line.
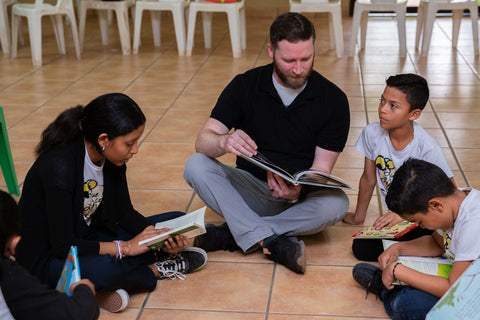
(171,269)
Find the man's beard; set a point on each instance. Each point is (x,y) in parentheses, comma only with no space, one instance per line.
(290,79)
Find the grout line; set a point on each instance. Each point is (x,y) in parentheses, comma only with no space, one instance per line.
(270,291)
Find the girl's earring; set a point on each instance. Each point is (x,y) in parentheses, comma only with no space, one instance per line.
(103,148)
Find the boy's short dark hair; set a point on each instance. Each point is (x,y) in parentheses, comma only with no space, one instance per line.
(292,27)
(414,184)
(414,86)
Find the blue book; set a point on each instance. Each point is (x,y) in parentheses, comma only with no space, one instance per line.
(70,273)
(462,300)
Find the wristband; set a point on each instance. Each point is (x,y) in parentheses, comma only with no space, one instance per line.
(120,249)
(393,271)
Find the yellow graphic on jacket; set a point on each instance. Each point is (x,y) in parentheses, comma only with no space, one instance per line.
(447,242)
(93,194)
(386,170)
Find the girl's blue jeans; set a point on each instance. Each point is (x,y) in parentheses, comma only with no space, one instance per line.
(404,303)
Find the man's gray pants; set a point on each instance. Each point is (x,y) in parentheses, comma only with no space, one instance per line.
(251,212)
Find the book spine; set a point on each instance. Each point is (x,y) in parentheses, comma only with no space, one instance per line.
(401,233)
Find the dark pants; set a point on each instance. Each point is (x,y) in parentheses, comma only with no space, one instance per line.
(108,273)
(370,249)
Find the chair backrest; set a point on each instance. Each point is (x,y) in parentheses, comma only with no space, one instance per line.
(383,1)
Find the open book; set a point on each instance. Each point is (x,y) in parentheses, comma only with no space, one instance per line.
(70,272)
(189,225)
(393,232)
(462,300)
(433,266)
(310,177)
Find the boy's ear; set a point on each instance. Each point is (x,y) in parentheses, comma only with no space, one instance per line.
(415,114)
(436,205)
(11,245)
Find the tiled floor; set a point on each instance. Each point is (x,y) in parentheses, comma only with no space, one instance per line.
(177,94)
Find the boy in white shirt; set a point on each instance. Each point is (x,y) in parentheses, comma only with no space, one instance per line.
(386,145)
(422,192)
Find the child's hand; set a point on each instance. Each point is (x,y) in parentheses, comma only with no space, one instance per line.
(175,244)
(387,276)
(388,220)
(388,257)
(350,218)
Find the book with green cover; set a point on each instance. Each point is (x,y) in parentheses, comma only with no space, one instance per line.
(189,225)
(70,272)
(393,232)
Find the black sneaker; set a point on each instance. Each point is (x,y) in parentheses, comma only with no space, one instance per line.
(369,277)
(175,266)
(216,238)
(290,252)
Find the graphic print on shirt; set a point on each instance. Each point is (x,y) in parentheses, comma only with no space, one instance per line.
(93,194)
(386,170)
(447,242)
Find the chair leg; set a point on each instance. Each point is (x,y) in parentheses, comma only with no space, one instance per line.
(155,18)
(363,29)
(83,17)
(234,26)
(57,23)
(420,22)
(207,29)
(430,13)
(35,32)
(76,41)
(103,22)
(4,30)
(191,29)
(15,25)
(456,21)
(338,30)
(179,23)
(474,19)
(123,29)
(243,28)
(355,27)
(402,38)
(137,27)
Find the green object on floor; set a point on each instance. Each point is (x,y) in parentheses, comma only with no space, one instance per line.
(6,161)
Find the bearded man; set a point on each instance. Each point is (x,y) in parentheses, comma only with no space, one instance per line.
(294,117)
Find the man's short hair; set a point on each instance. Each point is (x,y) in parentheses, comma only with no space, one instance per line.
(414,86)
(414,184)
(292,27)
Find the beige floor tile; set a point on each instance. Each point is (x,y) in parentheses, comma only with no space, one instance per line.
(151,202)
(241,287)
(463,138)
(322,290)
(156,176)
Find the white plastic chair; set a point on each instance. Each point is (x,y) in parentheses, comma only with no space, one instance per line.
(4,28)
(334,9)
(34,13)
(236,21)
(360,17)
(103,7)
(427,11)
(177,7)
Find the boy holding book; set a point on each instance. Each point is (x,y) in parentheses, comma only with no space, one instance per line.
(386,145)
(422,192)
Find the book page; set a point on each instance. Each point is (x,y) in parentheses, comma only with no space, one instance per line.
(462,300)
(266,164)
(320,178)
(388,233)
(194,217)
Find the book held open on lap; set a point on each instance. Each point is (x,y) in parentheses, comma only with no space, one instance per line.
(189,225)
(70,272)
(437,266)
(393,232)
(309,177)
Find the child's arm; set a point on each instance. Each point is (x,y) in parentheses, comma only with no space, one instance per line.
(366,186)
(435,285)
(426,246)
(387,220)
